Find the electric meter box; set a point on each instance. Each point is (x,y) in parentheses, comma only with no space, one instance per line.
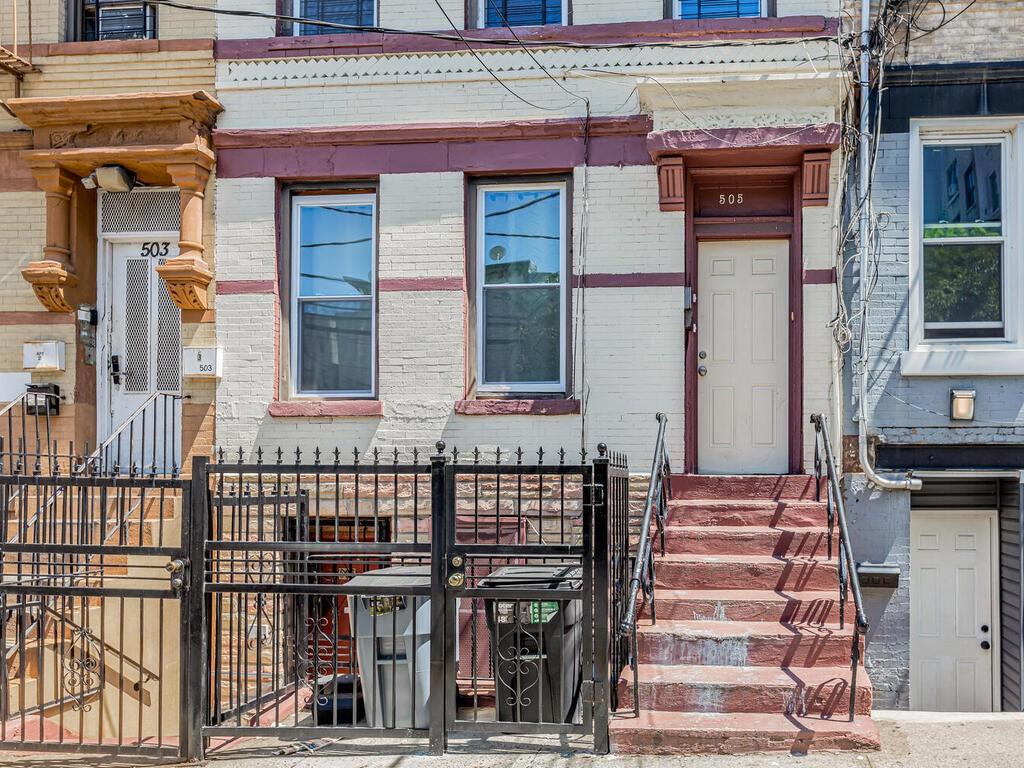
(43,356)
(202,363)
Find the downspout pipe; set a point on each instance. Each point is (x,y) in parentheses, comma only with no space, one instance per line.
(884,482)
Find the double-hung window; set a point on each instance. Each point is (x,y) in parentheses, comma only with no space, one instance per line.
(521,265)
(718,9)
(522,13)
(333,286)
(963,238)
(352,13)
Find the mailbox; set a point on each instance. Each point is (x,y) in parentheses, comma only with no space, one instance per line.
(202,363)
(878,576)
(43,356)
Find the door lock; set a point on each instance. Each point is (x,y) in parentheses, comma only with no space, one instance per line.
(456,570)
(702,355)
(702,371)
(457,579)
(115,368)
(984,627)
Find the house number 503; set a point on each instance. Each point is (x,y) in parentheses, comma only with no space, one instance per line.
(735,198)
(155,249)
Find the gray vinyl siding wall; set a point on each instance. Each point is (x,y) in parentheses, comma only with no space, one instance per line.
(1011,614)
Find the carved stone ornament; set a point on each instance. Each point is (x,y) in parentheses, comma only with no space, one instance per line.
(49,280)
(187,279)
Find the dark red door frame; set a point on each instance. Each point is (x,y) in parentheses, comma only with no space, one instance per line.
(747,228)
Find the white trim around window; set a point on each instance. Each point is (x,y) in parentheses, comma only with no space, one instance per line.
(483,5)
(300,202)
(1003,355)
(520,387)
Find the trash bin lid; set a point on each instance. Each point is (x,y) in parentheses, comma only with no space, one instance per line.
(536,576)
(395,576)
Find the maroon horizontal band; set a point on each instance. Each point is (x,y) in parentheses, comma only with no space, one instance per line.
(314,408)
(371,150)
(825,135)
(40,317)
(820,276)
(421,284)
(228,287)
(662,31)
(631,280)
(517,407)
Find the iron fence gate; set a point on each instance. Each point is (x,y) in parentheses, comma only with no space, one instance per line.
(406,596)
(93,571)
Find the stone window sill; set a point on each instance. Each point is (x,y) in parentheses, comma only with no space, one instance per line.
(517,407)
(326,408)
(945,361)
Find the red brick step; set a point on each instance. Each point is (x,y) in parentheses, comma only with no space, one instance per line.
(817,691)
(755,540)
(692,733)
(745,572)
(742,644)
(740,512)
(746,605)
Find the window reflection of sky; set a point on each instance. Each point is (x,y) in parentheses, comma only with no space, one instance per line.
(336,250)
(522,236)
(962,186)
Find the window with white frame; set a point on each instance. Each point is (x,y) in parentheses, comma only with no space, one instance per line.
(333,285)
(963,238)
(522,13)
(354,13)
(521,287)
(718,9)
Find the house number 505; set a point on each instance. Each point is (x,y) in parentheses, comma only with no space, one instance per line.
(731,199)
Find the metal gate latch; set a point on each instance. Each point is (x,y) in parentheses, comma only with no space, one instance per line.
(177,570)
(456,571)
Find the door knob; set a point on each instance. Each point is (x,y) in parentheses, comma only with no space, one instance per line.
(985,645)
(702,371)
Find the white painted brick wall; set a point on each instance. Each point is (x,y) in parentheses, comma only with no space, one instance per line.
(421,15)
(827,8)
(421,225)
(232,27)
(246,238)
(609,11)
(626,232)
(23,223)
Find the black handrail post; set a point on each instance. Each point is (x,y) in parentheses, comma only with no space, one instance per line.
(439,486)
(600,495)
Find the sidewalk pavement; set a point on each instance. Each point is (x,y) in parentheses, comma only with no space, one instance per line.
(909,740)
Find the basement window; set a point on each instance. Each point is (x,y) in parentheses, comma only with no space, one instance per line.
(522,13)
(352,13)
(718,9)
(117,20)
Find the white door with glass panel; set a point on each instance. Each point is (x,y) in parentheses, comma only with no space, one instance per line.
(743,357)
(139,355)
(953,619)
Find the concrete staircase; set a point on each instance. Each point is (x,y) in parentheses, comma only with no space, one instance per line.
(747,654)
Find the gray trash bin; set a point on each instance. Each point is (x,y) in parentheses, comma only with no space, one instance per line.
(393,661)
(536,645)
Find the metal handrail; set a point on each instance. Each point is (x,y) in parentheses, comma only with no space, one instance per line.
(128,425)
(849,581)
(655,509)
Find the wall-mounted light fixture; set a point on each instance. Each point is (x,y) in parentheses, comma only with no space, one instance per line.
(110,178)
(961,404)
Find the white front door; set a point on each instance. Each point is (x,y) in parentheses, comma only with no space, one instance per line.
(952,618)
(743,357)
(141,354)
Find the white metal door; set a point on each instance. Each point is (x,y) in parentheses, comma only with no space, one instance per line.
(142,354)
(953,631)
(743,357)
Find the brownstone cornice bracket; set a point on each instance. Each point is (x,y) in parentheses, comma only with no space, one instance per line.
(816,177)
(671,184)
(164,138)
(52,275)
